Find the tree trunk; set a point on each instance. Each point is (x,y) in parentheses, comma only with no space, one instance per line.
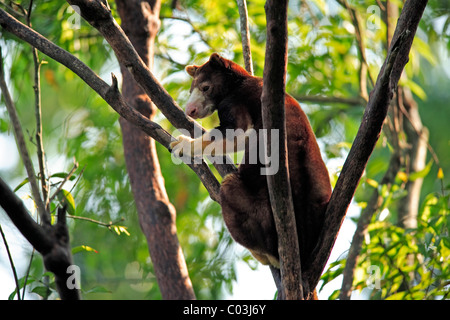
(414,149)
(273,117)
(415,160)
(140,21)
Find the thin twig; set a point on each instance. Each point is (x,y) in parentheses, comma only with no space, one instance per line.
(78,179)
(11,262)
(74,168)
(359,33)
(104,224)
(14,11)
(112,95)
(45,185)
(245,35)
(100,17)
(20,139)
(167,57)
(194,28)
(38,115)
(27,274)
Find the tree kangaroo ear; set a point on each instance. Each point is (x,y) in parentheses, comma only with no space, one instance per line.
(218,61)
(191,70)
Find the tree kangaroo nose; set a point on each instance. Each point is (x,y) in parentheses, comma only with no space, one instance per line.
(192,111)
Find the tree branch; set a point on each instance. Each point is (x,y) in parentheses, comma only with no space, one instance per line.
(99,16)
(394,127)
(38,115)
(359,35)
(52,242)
(367,135)
(245,35)
(194,28)
(11,262)
(273,114)
(109,93)
(66,178)
(20,139)
(19,215)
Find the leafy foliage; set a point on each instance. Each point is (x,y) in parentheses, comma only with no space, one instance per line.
(323,61)
(404,264)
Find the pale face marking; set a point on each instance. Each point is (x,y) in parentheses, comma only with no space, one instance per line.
(195,107)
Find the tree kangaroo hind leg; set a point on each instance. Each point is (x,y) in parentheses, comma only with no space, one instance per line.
(249,219)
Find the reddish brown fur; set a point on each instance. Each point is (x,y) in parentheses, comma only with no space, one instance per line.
(244,195)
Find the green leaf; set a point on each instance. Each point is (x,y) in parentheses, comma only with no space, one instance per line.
(422,173)
(424,50)
(334,295)
(41,290)
(120,229)
(62,175)
(24,182)
(83,248)
(30,279)
(415,88)
(3,125)
(66,198)
(446,242)
(397,296)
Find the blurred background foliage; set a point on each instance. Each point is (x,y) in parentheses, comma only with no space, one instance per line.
(323,61)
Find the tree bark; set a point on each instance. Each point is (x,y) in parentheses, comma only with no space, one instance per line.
(111,93)
(162,222)
(140,21)
(245,35)
(98,14)
(409,154)
(367,135)
(273,116)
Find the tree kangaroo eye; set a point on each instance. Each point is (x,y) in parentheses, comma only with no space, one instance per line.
(205,88)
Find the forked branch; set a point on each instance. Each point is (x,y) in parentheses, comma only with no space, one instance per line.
(98,14)
(110,93)
(367,135)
